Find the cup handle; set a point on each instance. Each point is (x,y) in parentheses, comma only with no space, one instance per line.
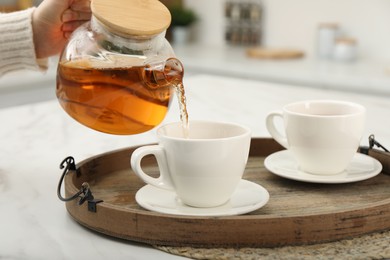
(270,124)
(164,180)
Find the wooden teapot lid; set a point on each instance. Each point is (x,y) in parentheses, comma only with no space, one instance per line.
(132,17)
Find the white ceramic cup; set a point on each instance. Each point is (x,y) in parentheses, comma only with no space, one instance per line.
(203,169)
(322,135)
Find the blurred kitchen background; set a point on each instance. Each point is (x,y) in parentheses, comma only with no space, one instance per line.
(342,44)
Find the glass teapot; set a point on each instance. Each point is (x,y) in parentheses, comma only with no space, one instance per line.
(117,72)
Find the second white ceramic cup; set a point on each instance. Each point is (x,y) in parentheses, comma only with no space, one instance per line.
(323,135)
(204,168)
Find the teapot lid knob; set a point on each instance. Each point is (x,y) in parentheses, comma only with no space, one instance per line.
(132,17)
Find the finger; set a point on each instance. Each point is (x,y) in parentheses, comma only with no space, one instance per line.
(71,26)
(81,6)
(70,15)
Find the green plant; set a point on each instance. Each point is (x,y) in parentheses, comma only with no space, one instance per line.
(182,16)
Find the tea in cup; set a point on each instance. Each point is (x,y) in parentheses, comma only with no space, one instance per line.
(203,166)
(322,135)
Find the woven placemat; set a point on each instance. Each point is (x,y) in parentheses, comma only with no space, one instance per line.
(372,246)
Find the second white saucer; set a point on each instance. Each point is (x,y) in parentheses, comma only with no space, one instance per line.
(247,197)
(362,167)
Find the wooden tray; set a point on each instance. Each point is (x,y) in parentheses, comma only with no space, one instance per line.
(297,212)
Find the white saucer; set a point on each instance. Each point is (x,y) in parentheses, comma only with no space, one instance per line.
(362,167)
(248,197)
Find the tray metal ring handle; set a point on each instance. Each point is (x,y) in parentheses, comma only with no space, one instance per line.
(84,193)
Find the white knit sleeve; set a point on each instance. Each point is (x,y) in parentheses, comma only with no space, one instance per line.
(17,50)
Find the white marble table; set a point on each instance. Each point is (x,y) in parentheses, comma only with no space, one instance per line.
(35,138)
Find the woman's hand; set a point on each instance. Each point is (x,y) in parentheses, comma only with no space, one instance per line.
(54,20)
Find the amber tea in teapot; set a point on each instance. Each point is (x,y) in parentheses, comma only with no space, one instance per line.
(114,100)
(118,73)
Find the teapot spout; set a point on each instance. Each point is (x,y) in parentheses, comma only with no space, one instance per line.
(164,74)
